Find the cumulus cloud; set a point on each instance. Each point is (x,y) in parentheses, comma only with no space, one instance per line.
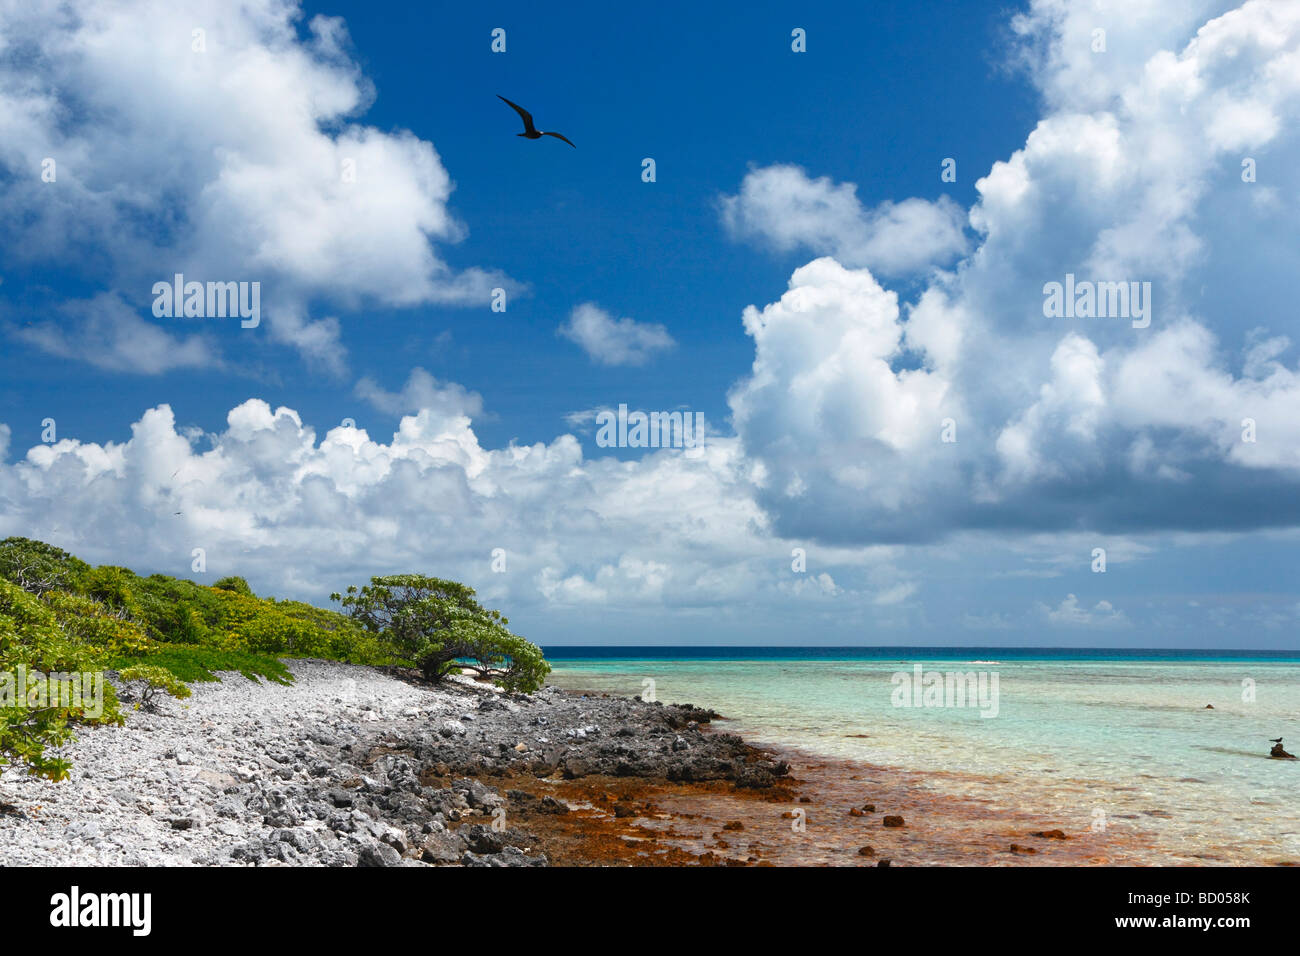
(780,205)
(240,160)
(1059,424)
(345,504)
(611,341)
(302,514)
(841,434)
(423,392)
(1070,613)
(962,416)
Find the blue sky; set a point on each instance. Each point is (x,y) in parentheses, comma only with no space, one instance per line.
(704,92)
(802,187)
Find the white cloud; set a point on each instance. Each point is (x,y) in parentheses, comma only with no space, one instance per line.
(1070,613)
(633,580)
(782,206)
(1060,424)
(897,594)
(226,164)
(583,420)
(1069,432)
(833,424)
(423,392)
(303,514)
(109,334)
(611,341)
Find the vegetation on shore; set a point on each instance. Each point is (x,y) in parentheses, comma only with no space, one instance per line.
(60,616)
(439,626)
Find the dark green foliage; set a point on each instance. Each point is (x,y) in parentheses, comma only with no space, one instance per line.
(37,567)
(438,625)
(236,584)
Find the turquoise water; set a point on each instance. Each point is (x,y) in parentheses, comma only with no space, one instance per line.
(1114,735)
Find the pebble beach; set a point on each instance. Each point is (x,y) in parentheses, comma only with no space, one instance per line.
(350,766)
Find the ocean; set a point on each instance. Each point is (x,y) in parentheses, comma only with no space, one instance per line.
(1104,741)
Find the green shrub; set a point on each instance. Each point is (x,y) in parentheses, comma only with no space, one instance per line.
(37,567)
(202,664)
(60,615)
(89,622)
(149,681)
(236,584)
(33,646)
(438,625)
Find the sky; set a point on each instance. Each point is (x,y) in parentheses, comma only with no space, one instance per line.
(827,230)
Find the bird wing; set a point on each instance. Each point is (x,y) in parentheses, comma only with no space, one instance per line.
(561,136)
(526,116)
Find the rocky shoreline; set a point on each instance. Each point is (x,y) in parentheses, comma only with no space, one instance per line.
(351,766)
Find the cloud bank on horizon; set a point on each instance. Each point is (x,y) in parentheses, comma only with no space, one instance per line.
(909,403)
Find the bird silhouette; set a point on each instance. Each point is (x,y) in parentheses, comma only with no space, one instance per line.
(531,131)
(1275,740)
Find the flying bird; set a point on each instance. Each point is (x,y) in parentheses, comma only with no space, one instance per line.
(531,131)
(1275,740)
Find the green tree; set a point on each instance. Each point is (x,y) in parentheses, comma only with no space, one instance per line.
(234,583)
(37,567)
(440,627)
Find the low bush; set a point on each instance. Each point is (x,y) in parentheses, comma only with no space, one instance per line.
(60,615)
(148,682)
